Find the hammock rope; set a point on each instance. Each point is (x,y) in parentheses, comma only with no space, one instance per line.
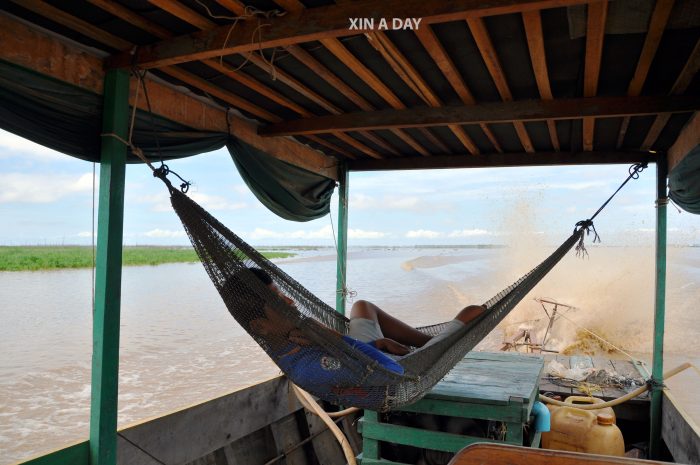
(327,364)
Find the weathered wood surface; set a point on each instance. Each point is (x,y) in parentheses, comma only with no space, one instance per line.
(679,431)
(500,454)
(482,113)
(198,431)
(490,378)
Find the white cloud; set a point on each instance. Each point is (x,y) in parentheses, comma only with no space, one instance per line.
(574,186)
(164,233)
(470,233)
(423,233)
(362,234)
(85,234)
(13,145)
(41,188)
(387,202)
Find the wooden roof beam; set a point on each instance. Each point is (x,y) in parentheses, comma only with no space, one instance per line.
(415,81)
(193,18)
(443,60)
(595,33)
(684,79)
(535,43)
(315,24)
(687,140)
(44,54)
(364,73)
(496,112)
(493,64)
(657,25)
(493,160)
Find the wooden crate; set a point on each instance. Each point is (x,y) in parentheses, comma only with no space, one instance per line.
(485,386)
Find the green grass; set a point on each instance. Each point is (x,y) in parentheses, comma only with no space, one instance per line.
(32,258)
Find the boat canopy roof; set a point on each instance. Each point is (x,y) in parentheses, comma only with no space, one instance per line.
(390,85)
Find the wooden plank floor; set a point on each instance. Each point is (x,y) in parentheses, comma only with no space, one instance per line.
(636,409)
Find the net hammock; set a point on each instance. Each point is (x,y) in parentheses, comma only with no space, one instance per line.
(329,365)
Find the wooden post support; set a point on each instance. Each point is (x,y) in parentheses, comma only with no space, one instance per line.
(659,309)
(105,339)
(342,252)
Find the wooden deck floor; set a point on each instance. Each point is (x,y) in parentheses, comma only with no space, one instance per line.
(633,409)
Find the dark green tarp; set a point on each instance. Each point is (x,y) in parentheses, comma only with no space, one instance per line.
(289,191)
(684,182)
(68,119)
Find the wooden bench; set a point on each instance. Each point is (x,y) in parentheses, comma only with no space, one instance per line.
(483,386)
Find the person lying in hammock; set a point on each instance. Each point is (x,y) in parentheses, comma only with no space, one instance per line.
(369,324)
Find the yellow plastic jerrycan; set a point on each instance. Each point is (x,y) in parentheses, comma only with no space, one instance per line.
(590,431)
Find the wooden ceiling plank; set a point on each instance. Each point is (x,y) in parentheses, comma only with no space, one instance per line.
(43,53)
(317,23)
(88,30)
(132,18)
(493,64)
(657,25)
(443,60)
(184,13)
(234,6)
(595,34)
(493,160)
(357,144)
(687,140)
(535,43)
(364,73)
(332,146)
(314,65)
(228,97)
(679,87)
(494,112)
(413,79)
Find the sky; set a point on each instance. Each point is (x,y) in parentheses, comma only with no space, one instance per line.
(46,198)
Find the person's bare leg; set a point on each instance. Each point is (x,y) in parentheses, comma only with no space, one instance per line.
(467,314)
(391,327)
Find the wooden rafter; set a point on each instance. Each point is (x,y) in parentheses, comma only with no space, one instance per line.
(595,33)
(493,64)
(234,6)
(315,24)
(364,73)
(687,140)
(496,112)
(435,49)
(290,5)
(35,50)
(657,25)
(197,20)
(684,79)
(493,160)
(415,81)
(535,43)
(61,17)
(184,13)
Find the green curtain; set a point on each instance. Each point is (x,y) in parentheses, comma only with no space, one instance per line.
(68,119)
(288,191)
(684,182)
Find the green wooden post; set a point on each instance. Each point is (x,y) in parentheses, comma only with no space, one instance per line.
(342,251)
(105,339)
(659,308)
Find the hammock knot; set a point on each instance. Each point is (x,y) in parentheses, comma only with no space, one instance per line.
(162,173)
(654,385)
(584,228)
(636,169)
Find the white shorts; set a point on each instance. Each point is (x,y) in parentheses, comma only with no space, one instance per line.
(364,330)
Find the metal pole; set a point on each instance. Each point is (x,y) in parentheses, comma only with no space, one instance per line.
(342,251)
(659,308)
(110,219)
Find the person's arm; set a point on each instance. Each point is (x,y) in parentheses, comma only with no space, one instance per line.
(391,346)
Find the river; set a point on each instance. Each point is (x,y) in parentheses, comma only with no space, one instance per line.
(180,346)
